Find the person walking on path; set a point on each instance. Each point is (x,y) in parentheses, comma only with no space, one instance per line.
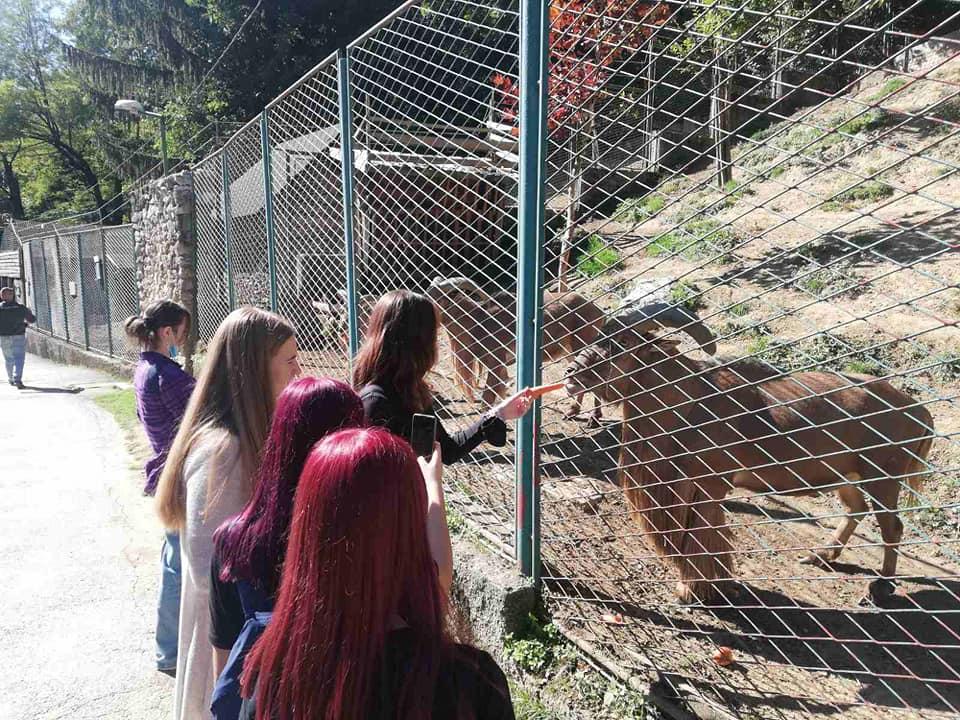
(210,471)
(162,390)
(14,319)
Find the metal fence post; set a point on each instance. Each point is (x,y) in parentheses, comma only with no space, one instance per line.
(268,206)
(63,291)
(227,226)
(83,296)
(106,289)
(532,117)
(346,161)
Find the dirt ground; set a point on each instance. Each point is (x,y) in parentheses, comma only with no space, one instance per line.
(886,273)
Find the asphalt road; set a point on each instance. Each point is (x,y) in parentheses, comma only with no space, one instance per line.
(79,553)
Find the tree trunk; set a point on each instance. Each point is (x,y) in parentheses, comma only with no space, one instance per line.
(582,138)
(12,183)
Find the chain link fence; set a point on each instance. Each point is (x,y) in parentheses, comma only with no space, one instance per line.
(746,277)
(81,282)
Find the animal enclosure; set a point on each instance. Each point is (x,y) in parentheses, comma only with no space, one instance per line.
(745,249)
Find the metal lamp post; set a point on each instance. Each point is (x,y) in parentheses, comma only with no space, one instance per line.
(136,108)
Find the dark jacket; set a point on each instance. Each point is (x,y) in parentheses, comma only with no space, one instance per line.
(14,318)
(469,683)
(382,406)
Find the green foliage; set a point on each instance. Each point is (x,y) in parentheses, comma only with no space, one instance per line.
(686,295)
(696,239)
(639,209)
(536,647)
(739,310)
(888,88)
(864,122)
(866,192)
(597,258)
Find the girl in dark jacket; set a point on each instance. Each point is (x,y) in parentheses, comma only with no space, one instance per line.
(399,350)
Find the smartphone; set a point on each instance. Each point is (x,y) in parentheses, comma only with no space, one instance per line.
(423,433)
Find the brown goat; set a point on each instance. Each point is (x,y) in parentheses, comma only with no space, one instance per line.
(481,329)
(694,430)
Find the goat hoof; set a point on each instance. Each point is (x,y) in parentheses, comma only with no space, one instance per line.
(879,593)
(820,558)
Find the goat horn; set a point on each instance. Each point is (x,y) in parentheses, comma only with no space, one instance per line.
(662,314)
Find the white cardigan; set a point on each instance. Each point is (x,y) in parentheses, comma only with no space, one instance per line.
(215,457)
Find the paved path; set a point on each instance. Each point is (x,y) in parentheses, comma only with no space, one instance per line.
(79,549)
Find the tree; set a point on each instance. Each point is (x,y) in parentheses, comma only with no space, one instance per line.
(42,105)
(588,40)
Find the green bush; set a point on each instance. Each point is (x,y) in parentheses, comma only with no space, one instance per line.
(536,647)
(739,310)
(597,258)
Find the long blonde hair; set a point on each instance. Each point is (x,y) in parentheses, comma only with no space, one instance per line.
(233,394)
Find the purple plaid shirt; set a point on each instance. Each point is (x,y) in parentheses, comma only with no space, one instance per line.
(163,390)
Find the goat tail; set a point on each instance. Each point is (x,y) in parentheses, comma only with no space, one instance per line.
(915,477)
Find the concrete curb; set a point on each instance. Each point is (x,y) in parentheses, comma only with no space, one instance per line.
(490,599)
(62,352)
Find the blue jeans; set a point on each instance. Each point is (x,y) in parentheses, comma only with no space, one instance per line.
(168,606)
(14,353)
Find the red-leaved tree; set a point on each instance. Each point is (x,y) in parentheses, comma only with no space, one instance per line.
(589,40)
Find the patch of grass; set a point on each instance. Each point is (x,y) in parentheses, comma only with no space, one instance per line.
(455,522)
(527,706)
(777,172)
(536,647)
(801,136)
(943,170)
(948,366)
(739,310)
(866,192)
(639,209)
(686,295)
(888,88)
(597,258)
(122,404)
(863,367)
(862,123)
(696,240)
(823,352)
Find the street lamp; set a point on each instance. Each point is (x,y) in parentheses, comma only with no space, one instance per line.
(136,108)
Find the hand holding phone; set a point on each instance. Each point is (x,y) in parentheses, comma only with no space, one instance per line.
(423,434)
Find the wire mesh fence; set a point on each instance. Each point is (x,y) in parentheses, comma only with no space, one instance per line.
(749,278)
(81,282)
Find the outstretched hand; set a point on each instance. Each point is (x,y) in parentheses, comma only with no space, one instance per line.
(515,406)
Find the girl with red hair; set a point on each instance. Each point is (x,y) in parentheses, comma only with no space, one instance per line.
(358,628)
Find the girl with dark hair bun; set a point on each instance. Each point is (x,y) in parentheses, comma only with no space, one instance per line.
(162,390)
(399,349)
(358,628)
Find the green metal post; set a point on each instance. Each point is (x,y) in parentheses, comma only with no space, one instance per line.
(63,287)
(163,144)
(228,227)
(532,116)
(268,206)
(346,161)
(106,289)
(83,297)
(46,286)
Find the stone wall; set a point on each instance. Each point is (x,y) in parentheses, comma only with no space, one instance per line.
(164,226)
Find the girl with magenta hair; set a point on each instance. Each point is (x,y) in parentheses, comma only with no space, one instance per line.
(358,629)
(249,548)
